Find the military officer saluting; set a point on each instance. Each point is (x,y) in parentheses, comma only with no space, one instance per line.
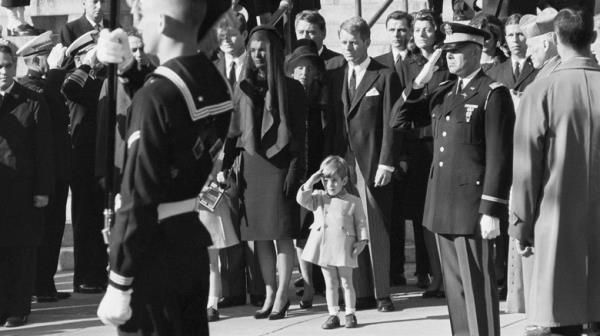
(472,119)
(158,282)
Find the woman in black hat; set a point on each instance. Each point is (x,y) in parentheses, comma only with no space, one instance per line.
(305,66)
(268,125)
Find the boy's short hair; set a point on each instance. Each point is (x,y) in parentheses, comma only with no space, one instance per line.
(356,25)
(312,17)
(335,165)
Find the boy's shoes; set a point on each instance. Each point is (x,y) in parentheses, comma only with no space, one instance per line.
(15,321)
(332,322)
(385,305)
(212,314)
(351,321)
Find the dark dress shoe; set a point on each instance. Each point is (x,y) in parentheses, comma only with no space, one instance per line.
(422,281)
(24,30)
(365,303)
(89,289)
(63,295)
(212,314)
(263,314)
(502,293)
(351,321)
(399,280)
(385,305)
(280,314)
(15,321)
(332,322)
(305,304)
(430,294)
(44,298)
(232,301)
(257,300)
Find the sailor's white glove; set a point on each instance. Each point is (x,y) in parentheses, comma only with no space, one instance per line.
(428,69)
(490,227)
(114,308)
(113,48)
(57,56)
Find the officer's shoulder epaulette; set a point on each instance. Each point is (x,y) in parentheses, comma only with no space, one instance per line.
(495,85)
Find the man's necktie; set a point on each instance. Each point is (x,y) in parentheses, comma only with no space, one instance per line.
(352,85)
(231,76)
(517,70)
(458,87)
(1,99)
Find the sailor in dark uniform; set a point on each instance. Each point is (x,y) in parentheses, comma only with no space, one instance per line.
(158,282)
(472,120)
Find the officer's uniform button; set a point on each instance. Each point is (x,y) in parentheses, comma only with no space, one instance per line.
(444,133)
(433,115)
(442,149)
(478,183)
(441,163)
(447,118)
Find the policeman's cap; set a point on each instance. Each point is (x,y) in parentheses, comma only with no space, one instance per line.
(39,45)
(536,25)
(84,43)
(457,34)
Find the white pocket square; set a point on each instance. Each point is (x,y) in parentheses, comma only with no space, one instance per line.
(372,92)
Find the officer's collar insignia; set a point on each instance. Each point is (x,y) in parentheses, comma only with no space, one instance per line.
(472,88)
(448,29)
(200,99)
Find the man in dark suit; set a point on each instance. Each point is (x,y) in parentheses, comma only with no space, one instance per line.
(369,90)
(240,272)
(472,120)
(91,19)
(398,26)
(516,73)
(26,180)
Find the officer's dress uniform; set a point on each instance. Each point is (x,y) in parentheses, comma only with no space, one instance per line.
(55,213)
(26,170)
(158,246)
(82,89)
(470,176)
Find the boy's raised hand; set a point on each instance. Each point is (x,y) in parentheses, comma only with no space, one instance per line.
(359,246)
(314,178)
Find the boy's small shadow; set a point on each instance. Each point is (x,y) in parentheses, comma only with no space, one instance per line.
(435,317)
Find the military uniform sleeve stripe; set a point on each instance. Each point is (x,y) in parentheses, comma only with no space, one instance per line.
(79,77)
(135,136)
(120,280)
(493,199)
(195,114)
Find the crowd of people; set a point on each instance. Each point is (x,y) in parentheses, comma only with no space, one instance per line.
(236,160)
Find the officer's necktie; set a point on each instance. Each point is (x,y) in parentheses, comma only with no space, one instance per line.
(352,85)
(458,87)
(1,99)
(231,76)
(517,70)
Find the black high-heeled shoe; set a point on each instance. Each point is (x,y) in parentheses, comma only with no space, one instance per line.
(263,314)
(280,314)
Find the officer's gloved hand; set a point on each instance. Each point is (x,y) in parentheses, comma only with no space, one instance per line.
(114,308)
(490,227)
(113,48)
(428,69)
(57,56)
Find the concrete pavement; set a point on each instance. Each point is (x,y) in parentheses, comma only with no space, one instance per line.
(414,316)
